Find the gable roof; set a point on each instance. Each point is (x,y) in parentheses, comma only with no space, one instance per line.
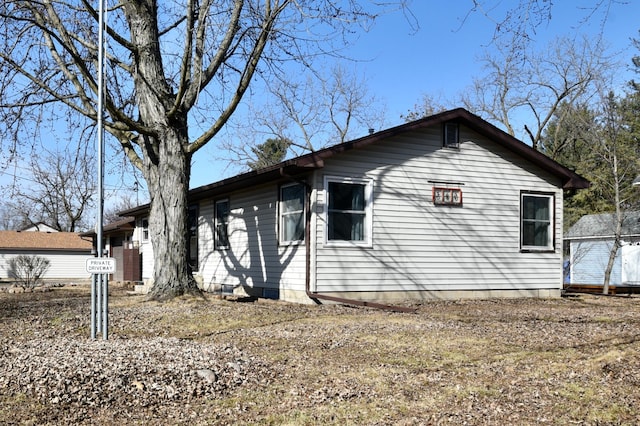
(39,227)
(315,160)
(603,226)
(123,224)
(18,240)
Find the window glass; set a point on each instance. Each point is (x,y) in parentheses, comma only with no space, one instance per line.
(192,230)
(451,135)
(537,228)
(292,213)
(145,229)
(346,212)
(221,224)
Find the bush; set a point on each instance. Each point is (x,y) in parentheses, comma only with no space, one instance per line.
(28,270)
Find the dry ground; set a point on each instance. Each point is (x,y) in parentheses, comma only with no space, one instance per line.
(574,360)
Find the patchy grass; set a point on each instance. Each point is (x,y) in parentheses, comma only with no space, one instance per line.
(566,361)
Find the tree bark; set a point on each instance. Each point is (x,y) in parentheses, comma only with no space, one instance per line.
(168,183)
(166,159)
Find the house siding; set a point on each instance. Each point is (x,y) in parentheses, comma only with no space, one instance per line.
(254,259)
(589,260)
(64,266)
(418,246)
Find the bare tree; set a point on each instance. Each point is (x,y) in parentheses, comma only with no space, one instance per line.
(520,20)
(61,190)
(111,213)
(175,72)
(611,164)
(536,84)
(428,105)
(312,112)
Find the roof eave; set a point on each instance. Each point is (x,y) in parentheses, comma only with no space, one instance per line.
(315,160)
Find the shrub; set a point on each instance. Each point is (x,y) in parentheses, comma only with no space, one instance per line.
(28,270)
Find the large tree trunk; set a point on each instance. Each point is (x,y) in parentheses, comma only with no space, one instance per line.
(166,162)
(168,182)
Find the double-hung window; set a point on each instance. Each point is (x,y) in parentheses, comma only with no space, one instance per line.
(292,213)
(221,238)
(348,211)
(144,224)
(192,231)
(537,227)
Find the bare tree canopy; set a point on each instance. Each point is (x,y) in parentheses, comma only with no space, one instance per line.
(311,111)
(60,192)
(520,21)
(536,84)
(175,74)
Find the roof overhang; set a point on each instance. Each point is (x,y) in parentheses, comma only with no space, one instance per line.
(299,166)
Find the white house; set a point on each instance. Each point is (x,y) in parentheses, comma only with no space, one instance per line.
(591,239)
(448,206)
(67,253)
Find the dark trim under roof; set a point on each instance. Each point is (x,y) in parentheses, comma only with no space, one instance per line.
(315,160)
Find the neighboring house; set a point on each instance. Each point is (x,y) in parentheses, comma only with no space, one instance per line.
(67,253)
(39,227)
(448,206)
(590,241)
(119,244)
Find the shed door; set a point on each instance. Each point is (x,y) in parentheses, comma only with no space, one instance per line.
(631,264)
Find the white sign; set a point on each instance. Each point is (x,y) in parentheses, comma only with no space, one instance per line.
(101,265)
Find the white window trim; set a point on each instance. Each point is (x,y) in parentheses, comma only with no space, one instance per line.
(552,222)
(281,239)
(144,230)
(367,242)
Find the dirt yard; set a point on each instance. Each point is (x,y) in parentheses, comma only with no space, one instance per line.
(574,360)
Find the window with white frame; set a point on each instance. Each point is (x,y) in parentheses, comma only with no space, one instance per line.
(292,221)
(144,224)
(221,238)
(537,227)
(348,211)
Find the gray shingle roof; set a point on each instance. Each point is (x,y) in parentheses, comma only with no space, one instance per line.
(603,225)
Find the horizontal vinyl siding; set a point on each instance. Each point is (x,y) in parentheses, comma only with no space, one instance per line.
(589,260)
(62,265)
(420,246)
(148,261)
(254,258)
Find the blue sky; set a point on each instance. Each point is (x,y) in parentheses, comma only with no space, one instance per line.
(441,58)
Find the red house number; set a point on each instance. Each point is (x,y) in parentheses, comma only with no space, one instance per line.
(447,196)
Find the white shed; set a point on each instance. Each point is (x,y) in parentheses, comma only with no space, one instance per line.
(590,241)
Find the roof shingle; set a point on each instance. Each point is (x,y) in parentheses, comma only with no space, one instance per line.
(43,241)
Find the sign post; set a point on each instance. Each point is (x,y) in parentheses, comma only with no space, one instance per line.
(99,266)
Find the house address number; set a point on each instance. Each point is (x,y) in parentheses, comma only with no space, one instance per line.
(447,196)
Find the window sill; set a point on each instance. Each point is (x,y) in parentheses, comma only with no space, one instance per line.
(349,244)
(290,243)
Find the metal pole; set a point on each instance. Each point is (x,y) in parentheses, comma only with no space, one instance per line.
(98,302)
(102,286)
(105,306)
(93,306)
